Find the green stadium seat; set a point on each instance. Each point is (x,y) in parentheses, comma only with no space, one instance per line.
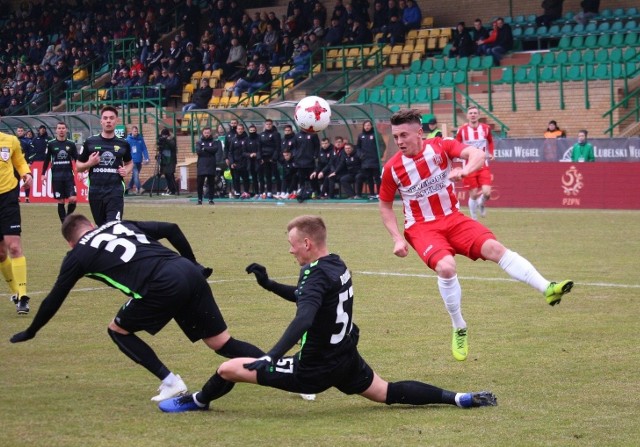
(518,20)
(451,64)
(435,78)
(548,74)
(399,96)
(562,57)
(549,58)
(400,80)
(617,71)
(522,74)
(536,59)
(602,56)
(435,93)
(603,27)
(463,63)
(412,80)
(564,43)
(373,96)
(591,41)
(554,31)
(575,57)
(629,54)
(487,62)
(618,13)
(507,75)
(591,27)
(439,64)
(578,28)
(423,79)
(617,40)
(615,55)
(362,96)
(588,56)
(617,26)
(606,13)
(632,12)
(420,95)
(460,77)
(517,33)
(601,72)
(389,80)
(416,66)
(531,18)
(447,79)
(631,25)
(604,40)
(427,65)
(475,63)
(568,16)
(577,42)
(574,73)
(631,39)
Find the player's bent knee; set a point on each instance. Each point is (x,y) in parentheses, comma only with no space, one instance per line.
(234,371)
(115,328)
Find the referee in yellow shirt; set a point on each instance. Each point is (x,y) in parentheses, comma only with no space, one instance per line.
(12,261)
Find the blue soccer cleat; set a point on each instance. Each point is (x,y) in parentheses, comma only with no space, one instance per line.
(181,404)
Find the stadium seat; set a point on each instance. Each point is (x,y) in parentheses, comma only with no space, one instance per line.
(435,78)
(562,57)
(507,75)
(463,63)
(412,80)
(388,81)
(591,41)
(631,25)
(588,56)
(575,57)
(577,43)
(427,22)
(423,80)
(487,62)
(475,63)
(602,55)
(187,91)
(601,72)
(564,43)
(574,73)
(439,65)
(416,66)
(617,26)
(400,80)
(549,58)
(522,74)
(427,65)
(451,64)
(631,39)
(615,55)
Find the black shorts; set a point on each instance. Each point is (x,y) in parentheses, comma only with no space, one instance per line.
(351,375)
(10,222)
(106,209)
(179,292)
(63,189)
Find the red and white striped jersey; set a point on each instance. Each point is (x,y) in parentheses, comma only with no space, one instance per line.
(422,181)
(480,137)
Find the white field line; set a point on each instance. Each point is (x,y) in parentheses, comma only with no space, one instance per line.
(404,275)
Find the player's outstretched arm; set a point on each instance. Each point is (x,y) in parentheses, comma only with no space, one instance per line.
(285,291)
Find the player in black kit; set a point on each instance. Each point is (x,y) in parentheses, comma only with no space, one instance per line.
(162,285)
(328,355)
(59,154)
(108,160)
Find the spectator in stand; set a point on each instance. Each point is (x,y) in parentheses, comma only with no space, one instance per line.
(175,53)
(201,97)
(142,80)
(367,149)
(582,151)
(189,15)
(187,67)
(479,33)
(262,77)
(136,66)
(319,12)
(359,34)
(48,55)
(14,109)
(411,15)
(394,32)
(338,10)
(270,41)
(236,60)
(5,100)
(462,45)
(247,78)
(154,59)
(283,53)
(301,64)
(500,40)
(173,86)
(590,9)
(79,76)
(165,20)
(213,58)
(380,16)
(334,34)
(313,43)
(553,131)
(552,10)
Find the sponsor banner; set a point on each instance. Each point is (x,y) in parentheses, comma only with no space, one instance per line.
(563,185)
(559,149)
(38,194)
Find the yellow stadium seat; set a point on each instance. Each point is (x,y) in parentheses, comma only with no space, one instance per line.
(427,22)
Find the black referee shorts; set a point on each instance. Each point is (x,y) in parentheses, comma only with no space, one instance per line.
(10,222)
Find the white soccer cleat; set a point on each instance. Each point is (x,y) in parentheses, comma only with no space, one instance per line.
(308,396)
(168,391)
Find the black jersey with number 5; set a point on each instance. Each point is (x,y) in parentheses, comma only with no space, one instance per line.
(104,179)
(326,286)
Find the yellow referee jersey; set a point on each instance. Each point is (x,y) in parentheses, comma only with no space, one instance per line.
(11,157)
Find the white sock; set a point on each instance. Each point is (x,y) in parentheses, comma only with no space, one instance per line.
(451,293)
(481,199)
(473,207)
(519,268)
(170,379)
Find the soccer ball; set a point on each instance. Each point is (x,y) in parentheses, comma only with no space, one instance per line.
(312,114)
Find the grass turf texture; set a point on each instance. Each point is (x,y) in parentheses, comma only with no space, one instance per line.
(564,376)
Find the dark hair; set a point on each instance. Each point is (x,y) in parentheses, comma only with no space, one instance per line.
(584,131)
(165,131)
(108,109)
(406,116)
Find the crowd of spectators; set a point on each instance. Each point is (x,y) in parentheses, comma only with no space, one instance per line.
(59,44)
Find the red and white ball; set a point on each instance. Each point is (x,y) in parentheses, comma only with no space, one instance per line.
(312,114)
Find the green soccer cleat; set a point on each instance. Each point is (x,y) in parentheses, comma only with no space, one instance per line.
(556,291)
(460,344)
